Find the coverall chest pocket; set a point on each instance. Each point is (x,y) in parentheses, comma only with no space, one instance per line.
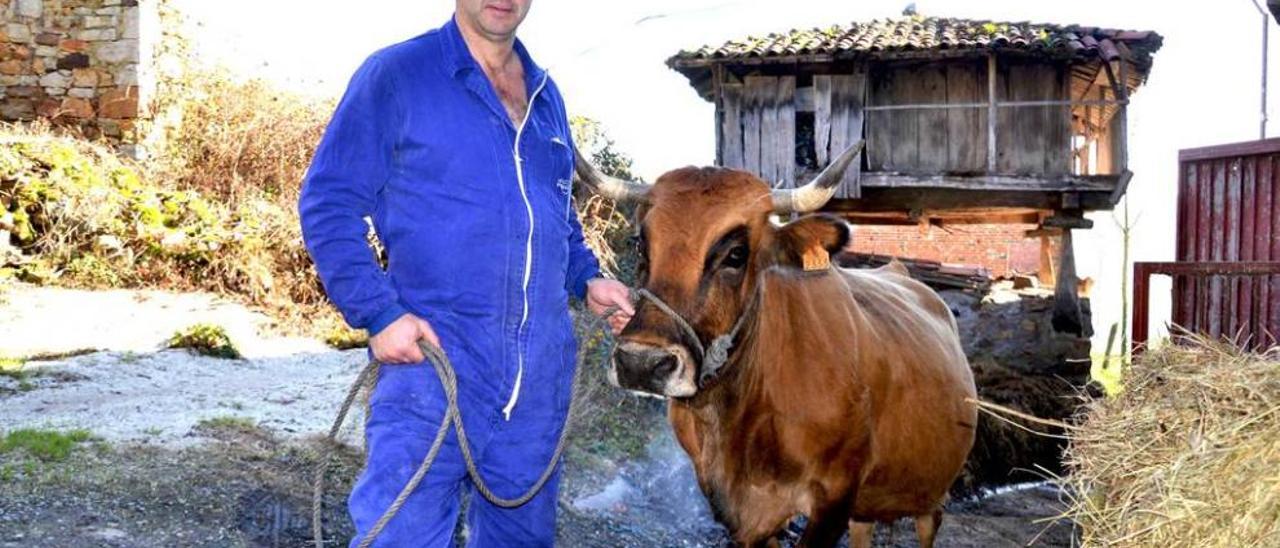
(560,177)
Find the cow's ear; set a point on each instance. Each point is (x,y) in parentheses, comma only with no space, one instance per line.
(810,241)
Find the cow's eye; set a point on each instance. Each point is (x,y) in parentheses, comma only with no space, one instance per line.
(737,257)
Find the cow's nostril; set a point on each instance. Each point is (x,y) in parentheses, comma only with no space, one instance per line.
(644,368)
(664,365)
(631,361)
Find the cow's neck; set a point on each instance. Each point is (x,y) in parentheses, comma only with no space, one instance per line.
(727,432)
(721,406)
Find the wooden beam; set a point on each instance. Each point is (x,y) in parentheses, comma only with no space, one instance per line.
(1066,222)
(1067,315)
(941,217)
(785,127)
(1093,81)
(821,95)
(1013,183)
(684,65)
(1230,150)
(805,98)
(945,199)
(730,130)
(999,104)
(1048,272)
(991,113)
(1122,186)
(1124,116)
(1041,232)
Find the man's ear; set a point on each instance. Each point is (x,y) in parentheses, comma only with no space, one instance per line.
(810,241)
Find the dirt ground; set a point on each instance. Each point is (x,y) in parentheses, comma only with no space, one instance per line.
(245,487)
(194,451)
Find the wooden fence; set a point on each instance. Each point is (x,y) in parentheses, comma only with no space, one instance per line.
(1226,281)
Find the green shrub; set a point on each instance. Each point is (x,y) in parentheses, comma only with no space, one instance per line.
(46,445)
(15,368)
(82,217)
(207,340)
(345,338)
(228,422)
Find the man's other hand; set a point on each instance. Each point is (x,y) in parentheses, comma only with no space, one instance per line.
(603,293)
(398,343)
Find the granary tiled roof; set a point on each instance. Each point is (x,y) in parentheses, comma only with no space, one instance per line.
(923,34)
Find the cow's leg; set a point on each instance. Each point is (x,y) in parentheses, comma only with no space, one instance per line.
(927,527)
(861,533)
(826,526)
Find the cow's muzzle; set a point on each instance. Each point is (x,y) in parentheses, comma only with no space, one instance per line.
(655,370)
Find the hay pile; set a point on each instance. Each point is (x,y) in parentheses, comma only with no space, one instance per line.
(1187,455)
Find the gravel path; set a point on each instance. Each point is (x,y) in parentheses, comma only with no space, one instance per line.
(159,398)
(127,390)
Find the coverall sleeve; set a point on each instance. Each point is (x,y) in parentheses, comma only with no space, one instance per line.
(583,265)
(351,165)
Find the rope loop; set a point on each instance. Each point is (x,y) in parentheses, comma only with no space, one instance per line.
(452,418)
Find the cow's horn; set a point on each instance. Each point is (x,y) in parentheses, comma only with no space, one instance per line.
(610,187)
(814,195)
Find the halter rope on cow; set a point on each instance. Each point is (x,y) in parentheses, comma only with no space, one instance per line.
(713,359)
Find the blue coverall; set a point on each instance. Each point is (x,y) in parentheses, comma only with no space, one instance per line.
(482,242)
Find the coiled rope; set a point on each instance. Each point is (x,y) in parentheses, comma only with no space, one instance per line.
(711,362)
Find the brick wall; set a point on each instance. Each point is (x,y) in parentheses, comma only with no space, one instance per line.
(1001,248)
(78,63)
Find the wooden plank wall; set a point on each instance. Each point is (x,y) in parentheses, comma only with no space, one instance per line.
(1032,140)
(966,128)
(758,125)
(757,130)
(838,120)
(730,132)
(1029,140)
(933,140)
(757,121)
(1229,210)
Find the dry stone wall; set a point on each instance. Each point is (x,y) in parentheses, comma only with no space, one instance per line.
(82,63)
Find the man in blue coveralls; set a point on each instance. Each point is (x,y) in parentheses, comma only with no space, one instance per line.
(457,146)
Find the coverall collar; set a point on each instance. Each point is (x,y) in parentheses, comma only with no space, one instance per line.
(459,59)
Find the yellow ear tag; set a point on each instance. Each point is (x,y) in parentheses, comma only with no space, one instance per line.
(816,258)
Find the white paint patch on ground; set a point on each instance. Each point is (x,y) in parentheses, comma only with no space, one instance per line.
(131,390)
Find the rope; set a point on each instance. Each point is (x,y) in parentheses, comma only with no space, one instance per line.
(714,358)
(449,380)
(711,361)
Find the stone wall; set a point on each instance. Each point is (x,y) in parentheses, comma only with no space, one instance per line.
(80,63)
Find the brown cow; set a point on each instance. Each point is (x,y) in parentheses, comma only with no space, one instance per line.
(843,397)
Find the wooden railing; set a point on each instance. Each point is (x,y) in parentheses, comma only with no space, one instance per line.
(1235,301)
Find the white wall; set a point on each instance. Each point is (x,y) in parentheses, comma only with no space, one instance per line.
(608,58)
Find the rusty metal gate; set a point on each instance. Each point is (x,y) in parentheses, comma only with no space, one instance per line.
(1226,281)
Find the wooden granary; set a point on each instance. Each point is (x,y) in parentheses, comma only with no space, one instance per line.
(965,121)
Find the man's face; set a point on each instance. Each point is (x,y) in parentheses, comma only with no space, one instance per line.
(496,19)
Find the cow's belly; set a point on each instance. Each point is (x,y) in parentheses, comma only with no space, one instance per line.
(918,450)
(763,509)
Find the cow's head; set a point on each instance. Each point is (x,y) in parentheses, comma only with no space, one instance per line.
(704,236)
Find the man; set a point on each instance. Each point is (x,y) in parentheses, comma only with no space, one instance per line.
(457,145)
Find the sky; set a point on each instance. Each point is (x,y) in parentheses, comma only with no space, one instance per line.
(608,59)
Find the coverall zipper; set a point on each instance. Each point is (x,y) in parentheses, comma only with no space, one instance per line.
(528,250)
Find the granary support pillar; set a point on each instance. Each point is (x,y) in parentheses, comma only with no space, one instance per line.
(1068,317)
